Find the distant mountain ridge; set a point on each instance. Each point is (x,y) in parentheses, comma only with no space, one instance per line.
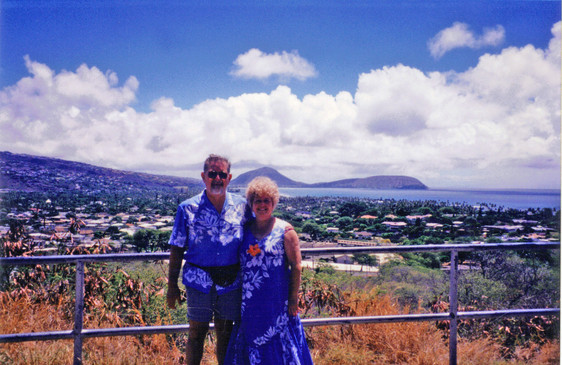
(373,182)
(281,180)
(21,172)
(376,182)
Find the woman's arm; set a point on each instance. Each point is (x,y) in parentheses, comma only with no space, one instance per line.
(293,252)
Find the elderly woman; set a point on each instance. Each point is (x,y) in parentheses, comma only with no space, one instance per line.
(270,331)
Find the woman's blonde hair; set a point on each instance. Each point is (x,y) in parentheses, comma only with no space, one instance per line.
(262,186)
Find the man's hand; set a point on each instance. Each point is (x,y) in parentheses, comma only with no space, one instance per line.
(173,295)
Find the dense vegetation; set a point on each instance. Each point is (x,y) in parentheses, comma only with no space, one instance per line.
(346,214)
(41,298)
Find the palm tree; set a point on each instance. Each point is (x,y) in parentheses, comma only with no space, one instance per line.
(74,227)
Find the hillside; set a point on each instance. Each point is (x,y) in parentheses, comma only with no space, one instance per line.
(21,172)
(373,182)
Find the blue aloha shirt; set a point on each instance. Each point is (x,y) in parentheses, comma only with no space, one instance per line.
(209,238)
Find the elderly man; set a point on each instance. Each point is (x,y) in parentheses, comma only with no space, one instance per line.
(207,234)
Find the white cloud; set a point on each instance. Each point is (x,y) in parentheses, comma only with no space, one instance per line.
(459,35)
(256,64)
(495,125)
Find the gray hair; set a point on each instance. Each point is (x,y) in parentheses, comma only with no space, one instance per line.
(213,158)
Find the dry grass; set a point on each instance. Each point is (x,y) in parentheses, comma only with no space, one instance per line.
(418,343)
(397,343)
(387,343)
(21,316)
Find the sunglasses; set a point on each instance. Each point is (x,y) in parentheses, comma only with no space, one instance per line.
(212,174)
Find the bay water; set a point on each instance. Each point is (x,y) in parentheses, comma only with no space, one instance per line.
(515,199)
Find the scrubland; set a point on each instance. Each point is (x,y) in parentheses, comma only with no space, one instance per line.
(40,299)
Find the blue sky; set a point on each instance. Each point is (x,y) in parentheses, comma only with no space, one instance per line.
(455,93)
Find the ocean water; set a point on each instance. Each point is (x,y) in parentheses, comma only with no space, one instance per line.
(516,199)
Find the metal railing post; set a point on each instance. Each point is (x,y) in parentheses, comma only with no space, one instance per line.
(453,306)
(79,313)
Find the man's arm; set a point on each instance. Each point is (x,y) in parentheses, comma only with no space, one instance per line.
(176,258)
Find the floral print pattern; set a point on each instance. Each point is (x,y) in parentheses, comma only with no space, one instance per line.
(266,334)
(210,238)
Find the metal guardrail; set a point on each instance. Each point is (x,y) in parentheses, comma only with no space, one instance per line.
(78,333)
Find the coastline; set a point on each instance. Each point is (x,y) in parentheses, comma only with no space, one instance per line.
(508,198)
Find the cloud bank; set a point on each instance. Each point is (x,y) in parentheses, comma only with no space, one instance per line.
(459,35)
(494,125)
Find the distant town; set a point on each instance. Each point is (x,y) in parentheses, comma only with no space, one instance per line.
(52,205)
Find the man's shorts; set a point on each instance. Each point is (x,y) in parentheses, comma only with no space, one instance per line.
(201,306)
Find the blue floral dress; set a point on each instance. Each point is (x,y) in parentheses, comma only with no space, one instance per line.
(266,334)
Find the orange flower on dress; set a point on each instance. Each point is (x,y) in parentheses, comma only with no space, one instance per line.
(254,250)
